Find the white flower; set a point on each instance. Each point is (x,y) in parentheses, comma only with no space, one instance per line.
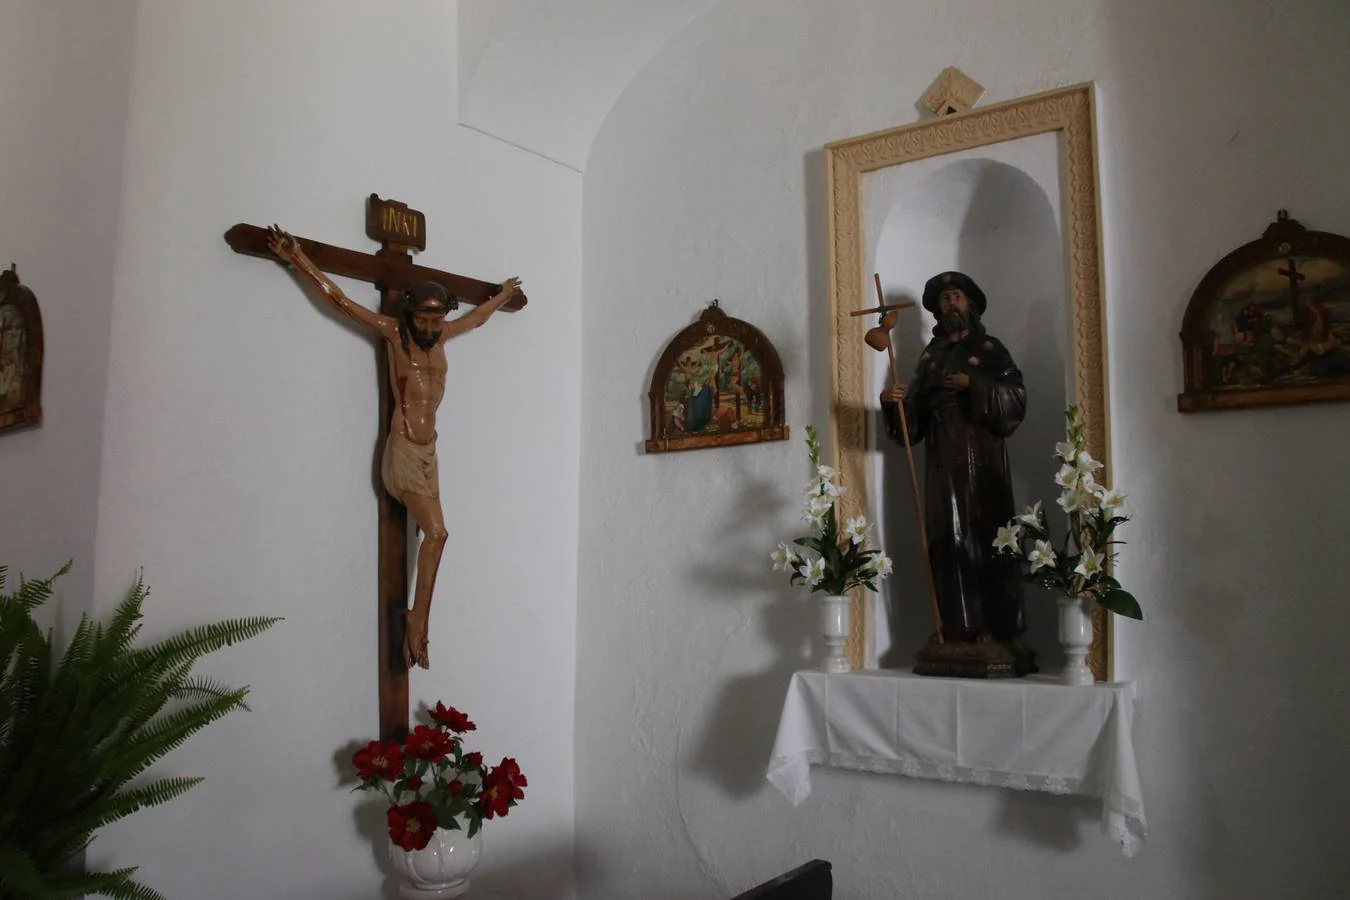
(1031,515)
(1041,555)
(1110,499)
(1067,476)
(1090,563)
(817,507)
(881,565)
(856,529)
(1085,462)
(1008,536)
(1066,451)
(783,558)
(1087,484)
(813,572)
(830,489)
(1076,500)
(825,473)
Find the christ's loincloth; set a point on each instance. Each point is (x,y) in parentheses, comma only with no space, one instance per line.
(409,468)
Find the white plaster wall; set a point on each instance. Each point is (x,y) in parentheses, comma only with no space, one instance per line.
(708,180)
(64,75)
(241,433)
(543,74)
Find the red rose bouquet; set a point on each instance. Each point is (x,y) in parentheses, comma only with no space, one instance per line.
(432,783)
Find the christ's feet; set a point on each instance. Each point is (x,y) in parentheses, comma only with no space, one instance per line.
(415,641)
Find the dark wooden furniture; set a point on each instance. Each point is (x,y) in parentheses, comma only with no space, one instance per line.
(809,882)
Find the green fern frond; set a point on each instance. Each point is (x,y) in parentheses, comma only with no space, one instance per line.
(77,728)
(19,873)
(117,884)
(123,804)
(124,624)
(142,749)
(197,642)
(203,688)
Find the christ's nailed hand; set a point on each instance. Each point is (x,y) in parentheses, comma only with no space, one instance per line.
(281,243)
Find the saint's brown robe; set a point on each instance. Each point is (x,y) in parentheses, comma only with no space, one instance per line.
(967,482)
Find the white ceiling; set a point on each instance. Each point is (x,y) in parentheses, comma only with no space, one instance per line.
(544,74)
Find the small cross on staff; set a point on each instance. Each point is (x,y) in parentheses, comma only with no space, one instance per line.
(879,338)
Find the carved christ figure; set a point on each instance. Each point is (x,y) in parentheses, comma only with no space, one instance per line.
(416,345)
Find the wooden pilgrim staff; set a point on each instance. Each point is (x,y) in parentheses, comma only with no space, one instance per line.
(879,338)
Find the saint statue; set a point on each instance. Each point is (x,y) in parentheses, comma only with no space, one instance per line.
(965,399)
(416,352)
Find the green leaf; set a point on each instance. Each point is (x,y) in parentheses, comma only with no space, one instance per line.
(1121,603)
(77,726)
(811,543)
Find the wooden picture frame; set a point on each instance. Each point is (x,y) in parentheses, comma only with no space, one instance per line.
(718,383)
(1270,323)
(1069,113)
(21,351)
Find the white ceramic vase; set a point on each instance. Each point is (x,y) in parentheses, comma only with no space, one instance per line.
(834,625)
(441,869)
(1075,636)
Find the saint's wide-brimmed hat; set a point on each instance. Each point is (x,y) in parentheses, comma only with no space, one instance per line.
(948,280)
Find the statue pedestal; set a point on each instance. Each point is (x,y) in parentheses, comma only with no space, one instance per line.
(987,659)
(960,660)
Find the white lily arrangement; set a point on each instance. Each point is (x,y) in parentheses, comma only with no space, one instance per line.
(830,560)
(1079,566)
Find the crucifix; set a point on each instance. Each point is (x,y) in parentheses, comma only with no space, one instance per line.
(1294,276)
(414,302)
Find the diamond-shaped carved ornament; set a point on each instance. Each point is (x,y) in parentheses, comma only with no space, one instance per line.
(954,91)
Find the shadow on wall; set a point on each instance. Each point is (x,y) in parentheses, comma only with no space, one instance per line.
(539,873)
(1009,243)
(746,708)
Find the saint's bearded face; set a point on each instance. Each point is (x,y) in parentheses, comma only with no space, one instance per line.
(954,306)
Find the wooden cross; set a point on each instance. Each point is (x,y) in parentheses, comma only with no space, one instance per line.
(1294,276)
(391,269)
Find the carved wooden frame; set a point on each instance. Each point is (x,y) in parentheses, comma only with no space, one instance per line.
(1284,238)
(714,321)
(15,294)
(1070,112)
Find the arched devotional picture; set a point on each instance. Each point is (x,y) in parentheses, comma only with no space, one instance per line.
(1270,323)
(718,383)
(20,354)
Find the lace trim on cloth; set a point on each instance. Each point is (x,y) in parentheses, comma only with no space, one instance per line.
(1122,817)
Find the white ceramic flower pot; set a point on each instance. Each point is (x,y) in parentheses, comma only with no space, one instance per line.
(441,869)
(834,625)
(1075,636)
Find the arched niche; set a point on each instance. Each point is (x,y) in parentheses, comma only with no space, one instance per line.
(1008,195)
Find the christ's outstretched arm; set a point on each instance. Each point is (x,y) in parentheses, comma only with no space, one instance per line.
(471,320)
(287,249)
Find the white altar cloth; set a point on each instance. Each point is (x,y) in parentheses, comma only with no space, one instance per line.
(1026,733)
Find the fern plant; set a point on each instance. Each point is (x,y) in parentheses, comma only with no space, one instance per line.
(78,732)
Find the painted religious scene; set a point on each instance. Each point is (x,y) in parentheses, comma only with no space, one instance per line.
(718,382)
(717,386)
(12,357)
(1281,323)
